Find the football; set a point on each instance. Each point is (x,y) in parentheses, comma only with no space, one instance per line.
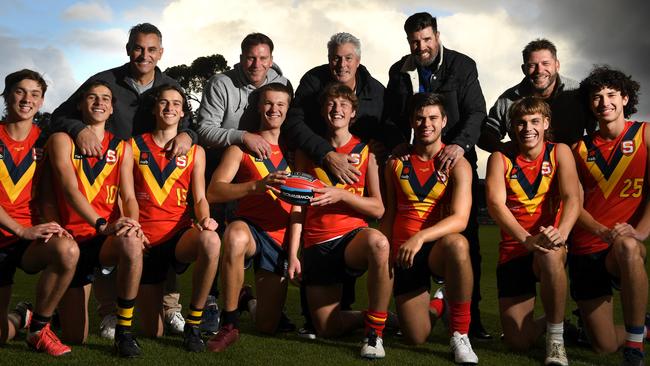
(298,188)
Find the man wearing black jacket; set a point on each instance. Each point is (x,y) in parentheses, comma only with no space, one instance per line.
(304,127)
(432,68)
(131,84)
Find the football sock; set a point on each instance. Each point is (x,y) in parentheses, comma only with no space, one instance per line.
(38,322)
(438,305)
(375,320)
(634,337)
(459,317)
(230,317)
(124,314)
(194,316)
(555,332)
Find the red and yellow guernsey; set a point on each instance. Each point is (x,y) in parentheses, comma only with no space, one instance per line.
(532,195)
(98,181)
(266,210)
(612,174)
(332,221)
(161,187)
(19,165)
(421,194)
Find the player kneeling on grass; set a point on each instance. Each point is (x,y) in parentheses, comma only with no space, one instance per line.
(336,239)
(162,186)
(87,190)
(25,243)
(256,235)
(525,188)
(606,247)
(427,208)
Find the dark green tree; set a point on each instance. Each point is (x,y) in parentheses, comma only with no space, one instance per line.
(193,77)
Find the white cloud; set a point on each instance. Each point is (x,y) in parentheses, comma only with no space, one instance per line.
(49,61)
(105,40)
(92,11)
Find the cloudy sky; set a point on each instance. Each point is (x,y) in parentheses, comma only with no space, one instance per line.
(70,40)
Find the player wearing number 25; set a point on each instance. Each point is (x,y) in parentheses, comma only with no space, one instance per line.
(607,244)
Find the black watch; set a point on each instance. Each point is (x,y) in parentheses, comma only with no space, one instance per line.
(98,224)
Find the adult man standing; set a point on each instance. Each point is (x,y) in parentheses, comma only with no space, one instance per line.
(432,68)
(131,84)
(542,79)
(344,66)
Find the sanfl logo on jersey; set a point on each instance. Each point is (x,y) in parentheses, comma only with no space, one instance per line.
(442,176)
(111,156)
(546,168)
(2,152)
(181,161)
(591,155)
(627,147)
(355,158)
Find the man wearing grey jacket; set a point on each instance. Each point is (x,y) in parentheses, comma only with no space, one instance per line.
(542,79)
(227,113)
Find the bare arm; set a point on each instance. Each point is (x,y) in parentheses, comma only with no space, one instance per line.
(221,188)
(201,206)
(569,190)
(496,199)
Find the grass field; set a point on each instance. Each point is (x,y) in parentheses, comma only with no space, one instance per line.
(289,349)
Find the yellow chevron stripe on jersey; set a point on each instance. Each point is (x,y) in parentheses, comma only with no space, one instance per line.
(92,189)
(621,162)
(530,204)
(14,189)
(325,177)
(421,198)
(264,168)
(160,191)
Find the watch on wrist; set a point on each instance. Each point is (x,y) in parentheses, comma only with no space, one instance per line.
(99,222)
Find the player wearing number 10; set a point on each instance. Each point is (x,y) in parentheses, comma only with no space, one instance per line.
(87,190)
(607,244)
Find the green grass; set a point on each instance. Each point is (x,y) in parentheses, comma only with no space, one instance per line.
(289,349)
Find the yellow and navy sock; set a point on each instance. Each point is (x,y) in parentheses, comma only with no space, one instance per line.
(124,314)
(634,337)
(375,320)
(38,322)
(194,316)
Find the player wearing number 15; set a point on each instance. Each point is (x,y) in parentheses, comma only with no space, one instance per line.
(87,190)
(162,183)
(607,244)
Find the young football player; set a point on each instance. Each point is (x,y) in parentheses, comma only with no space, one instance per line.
(256,235)
(336,239)
(25,242)
(606,247)
(427,207)
(162,186)
(88,189)
(525,189)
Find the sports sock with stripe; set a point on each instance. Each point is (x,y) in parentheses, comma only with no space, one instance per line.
(124,315)
(375,320)
(634,337)
(194,316)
